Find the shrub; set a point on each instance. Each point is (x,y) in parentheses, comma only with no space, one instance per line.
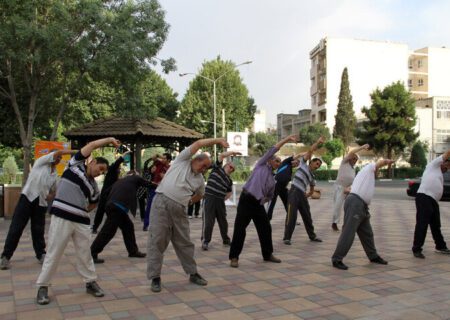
(10,170)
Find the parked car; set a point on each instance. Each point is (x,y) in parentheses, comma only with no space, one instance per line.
(413,186)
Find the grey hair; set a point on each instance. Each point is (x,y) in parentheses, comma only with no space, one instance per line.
(201,157)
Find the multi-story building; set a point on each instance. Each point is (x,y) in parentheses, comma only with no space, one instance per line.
(371,64)
(259,124)
(288,124)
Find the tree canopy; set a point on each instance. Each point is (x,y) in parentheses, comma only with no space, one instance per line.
(418,158)
(391,118)
(196,110)
(51,52)
(308,135)
(345,119)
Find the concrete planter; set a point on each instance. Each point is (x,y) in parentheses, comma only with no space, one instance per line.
(10,195)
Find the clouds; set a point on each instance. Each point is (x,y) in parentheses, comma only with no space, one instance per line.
(278,36)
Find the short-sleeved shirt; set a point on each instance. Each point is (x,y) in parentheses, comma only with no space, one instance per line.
(180,182)
(303,176)
(432,183)
(40,180)
(364,183)
(346,174)
(284,173)
(219,183)
(75,191)
(261,183)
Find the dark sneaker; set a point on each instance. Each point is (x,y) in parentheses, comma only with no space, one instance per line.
(5,264)
(316,240)
(41,259)
(419,255)
(226,242)
(156,284)
(287,242)
(137,254)
(42,296)
(94,289)
(339,265)
(443,251)
(197,279)
(272,258)
(205,246)
(145,229)
(334,227)
(94,231)
(234,263)
(379,260)
(97,260)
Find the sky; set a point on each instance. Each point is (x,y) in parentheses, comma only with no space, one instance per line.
(277,36)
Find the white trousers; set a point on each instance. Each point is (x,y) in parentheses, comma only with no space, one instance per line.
(338,201)
(59,234)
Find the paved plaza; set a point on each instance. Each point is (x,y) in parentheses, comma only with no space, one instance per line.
(303,286)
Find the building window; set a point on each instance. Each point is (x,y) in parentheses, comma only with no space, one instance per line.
(438,114)
(314,100)
(420,82)
(419,63)
(410,83)
(410,63)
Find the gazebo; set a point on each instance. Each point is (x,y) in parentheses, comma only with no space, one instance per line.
(137,133)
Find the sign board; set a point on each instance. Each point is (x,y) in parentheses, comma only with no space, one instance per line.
(41,148)
(238,141)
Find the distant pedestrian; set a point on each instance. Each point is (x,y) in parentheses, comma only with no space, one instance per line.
(357,216)
(427,206)
(169,222)
(77,194)
(32,205)
(258,190)
(298,195)
(121,200)
(218,189)
(344,180)
(157,171)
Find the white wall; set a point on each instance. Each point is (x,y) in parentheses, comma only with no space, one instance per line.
(438,72)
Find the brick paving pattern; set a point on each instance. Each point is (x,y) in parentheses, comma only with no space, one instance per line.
(303,286)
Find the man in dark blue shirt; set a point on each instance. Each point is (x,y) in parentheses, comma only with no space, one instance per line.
(283,176)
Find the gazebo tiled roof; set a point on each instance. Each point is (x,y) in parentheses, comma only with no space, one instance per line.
(149,130)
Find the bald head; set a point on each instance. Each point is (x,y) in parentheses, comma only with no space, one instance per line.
(200,163)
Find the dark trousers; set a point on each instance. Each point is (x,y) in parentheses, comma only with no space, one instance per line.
(251,209)
(356,221)
(26,210)
(282,191)
(151,195)
(195,207)
(214,208)
(100,212)
(142,206)
(298,201)
(116,218)
(427,214)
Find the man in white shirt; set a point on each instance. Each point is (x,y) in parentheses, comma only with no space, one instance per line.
(344,180)
(32,206)
(428,195)
(357,217)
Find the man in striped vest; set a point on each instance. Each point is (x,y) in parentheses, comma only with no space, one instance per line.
(298,195)
(218,189)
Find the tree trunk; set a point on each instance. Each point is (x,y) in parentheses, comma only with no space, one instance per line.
(389,171)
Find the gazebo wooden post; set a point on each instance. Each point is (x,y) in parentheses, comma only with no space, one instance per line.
(138,156)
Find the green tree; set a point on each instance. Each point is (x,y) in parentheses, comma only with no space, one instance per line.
(345,119)
(10,169)
(47,47)
(308,135)
(260,142)
(334,148)
(418,158)
(231,95)
(391,118)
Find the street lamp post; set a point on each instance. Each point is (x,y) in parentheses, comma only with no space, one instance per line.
(214,96)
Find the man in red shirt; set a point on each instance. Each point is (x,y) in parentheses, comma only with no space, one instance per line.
(158,170)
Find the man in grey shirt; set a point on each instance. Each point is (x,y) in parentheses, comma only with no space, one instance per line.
(344,180)
(182,185)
